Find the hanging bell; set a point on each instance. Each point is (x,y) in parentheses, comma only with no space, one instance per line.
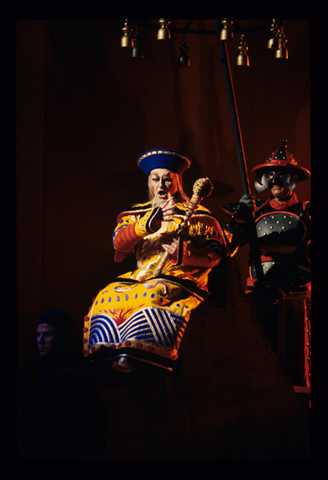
(273,42)
(282,51)
(184,60)
(126,40)
(226,34)
(242,57)
(163,32)
(136,52)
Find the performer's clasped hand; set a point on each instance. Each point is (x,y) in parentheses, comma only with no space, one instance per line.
(164,214)
(170,244)
(169,241)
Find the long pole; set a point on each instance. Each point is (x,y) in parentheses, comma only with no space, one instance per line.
(238,144)
(233,111)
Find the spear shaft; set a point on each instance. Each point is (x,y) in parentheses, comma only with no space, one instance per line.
(238,144)
(233,111)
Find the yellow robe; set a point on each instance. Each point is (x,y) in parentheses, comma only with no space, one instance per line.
(144,316)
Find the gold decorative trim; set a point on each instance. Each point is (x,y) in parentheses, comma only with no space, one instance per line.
(165,152)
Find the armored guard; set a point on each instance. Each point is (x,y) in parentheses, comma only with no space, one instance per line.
(283,244)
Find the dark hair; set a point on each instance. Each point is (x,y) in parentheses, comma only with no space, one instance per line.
(59,318)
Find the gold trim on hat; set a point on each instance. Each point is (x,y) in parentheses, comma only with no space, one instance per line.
(166,152)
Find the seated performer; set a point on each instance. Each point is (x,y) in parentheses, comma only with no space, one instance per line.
(53,395)
(144,313)
(283,238)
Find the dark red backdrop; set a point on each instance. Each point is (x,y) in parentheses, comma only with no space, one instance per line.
(86,110)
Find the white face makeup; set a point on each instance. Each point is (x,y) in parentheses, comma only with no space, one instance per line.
(163,184)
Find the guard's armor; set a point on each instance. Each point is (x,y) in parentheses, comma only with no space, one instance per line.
(283,240)
(284,307)
(281,235)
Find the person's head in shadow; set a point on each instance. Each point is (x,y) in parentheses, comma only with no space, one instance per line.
(54,335)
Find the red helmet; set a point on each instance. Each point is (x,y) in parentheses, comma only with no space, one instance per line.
(282,160)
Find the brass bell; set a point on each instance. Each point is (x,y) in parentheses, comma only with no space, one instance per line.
(282,51)
(163,32)
(242,57)
(273,42)
(226,34)
(137,52)
(184,60)
(126,40)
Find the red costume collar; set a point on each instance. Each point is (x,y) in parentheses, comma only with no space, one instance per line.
(293,200)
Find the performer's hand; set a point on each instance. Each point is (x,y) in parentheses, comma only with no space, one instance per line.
(269,294)
(168,210)
(171,245)
(164,214)
(245,206)
(247,199)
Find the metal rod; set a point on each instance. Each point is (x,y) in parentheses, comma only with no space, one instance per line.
(233,112)
(199,31)
(239,148)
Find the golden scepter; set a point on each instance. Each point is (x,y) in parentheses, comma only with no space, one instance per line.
(202,188)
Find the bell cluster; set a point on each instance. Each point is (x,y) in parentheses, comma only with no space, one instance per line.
(130,40)
(276,42)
